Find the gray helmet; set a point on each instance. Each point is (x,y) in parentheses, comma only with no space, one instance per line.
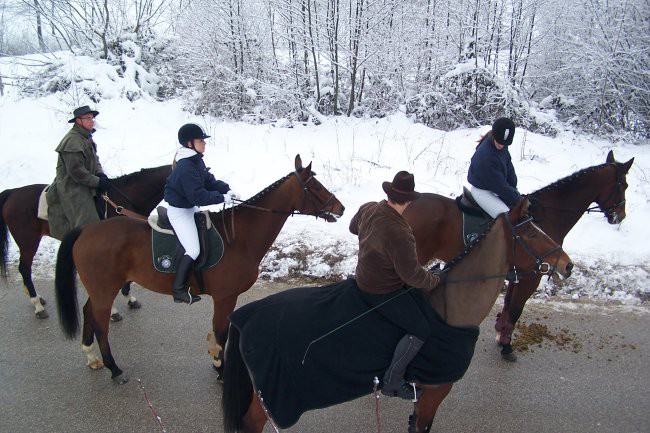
(189,132)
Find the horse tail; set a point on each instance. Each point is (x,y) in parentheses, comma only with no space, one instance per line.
(237,385)
(65,284)
(4,235)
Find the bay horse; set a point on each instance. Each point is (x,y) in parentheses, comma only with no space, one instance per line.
(109,253)
(139,192)
(474,281)
(437,226)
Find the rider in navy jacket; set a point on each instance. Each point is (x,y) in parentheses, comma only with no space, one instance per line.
(189,186)
(191,183)
(491,167)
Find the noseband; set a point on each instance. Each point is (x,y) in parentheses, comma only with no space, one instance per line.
(307,194)
(541,267)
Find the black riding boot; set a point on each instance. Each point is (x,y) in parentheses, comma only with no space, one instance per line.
(394,383)
(180,289)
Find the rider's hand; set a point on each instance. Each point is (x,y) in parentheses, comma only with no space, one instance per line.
(227,199)
(234,195)
(438,272)
(104,183)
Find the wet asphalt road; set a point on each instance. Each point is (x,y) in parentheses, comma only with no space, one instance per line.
(597,380)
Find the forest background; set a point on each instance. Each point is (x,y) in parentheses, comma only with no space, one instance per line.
(551,65)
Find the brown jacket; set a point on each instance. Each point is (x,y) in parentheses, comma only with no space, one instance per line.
(387,255)
(70,198)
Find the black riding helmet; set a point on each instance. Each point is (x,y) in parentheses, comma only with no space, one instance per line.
(189,132)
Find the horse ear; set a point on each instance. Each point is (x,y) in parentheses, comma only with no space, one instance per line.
(298,163)
(627,166)
(521,209)
(308,168)
(610,157)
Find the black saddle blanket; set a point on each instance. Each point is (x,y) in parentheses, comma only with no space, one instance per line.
(276,332)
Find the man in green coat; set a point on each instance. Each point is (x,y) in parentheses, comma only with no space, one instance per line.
(79,177)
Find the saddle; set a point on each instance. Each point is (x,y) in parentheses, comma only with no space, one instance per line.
(475,219)
(167,250)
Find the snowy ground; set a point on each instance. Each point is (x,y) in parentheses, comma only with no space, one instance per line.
(352,157)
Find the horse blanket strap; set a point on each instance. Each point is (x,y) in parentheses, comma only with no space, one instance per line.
(475,219)
(121,210)
(275,332)
(167,250)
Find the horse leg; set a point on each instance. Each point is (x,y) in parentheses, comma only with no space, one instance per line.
(219,335)
(426,407)
(100,322)
(517,295)
(27,253)
(133,303)
(87,340)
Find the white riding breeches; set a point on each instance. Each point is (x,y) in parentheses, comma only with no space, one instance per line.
(489,202)
(182,220)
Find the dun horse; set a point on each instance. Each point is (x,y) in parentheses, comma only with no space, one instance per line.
(556,208)
(139,192)
(265,355)
(123,247)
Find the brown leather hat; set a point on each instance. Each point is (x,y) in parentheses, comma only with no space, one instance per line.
(402,188)
(81,111)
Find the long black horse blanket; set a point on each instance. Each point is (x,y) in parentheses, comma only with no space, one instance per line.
(294,376)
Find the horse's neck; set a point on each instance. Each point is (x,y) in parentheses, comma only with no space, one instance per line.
(475,281)
(145,190)
(564,205)
(260,227)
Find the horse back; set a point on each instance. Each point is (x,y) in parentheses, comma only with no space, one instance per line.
(436,224)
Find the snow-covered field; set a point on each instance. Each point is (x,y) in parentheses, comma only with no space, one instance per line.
(351,157)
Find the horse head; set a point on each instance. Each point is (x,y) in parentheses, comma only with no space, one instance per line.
(612,200)
(532,248)
(315,199)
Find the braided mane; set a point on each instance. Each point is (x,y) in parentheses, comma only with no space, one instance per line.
(569,179)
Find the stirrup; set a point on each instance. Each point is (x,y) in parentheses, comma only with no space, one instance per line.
(406,391)
(186,298)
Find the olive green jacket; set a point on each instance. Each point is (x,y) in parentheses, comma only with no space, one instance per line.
(70,198)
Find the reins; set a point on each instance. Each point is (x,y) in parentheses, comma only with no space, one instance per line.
(306,194)
(121,210)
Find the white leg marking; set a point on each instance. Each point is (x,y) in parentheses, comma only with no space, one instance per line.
(36,302)
(92,360)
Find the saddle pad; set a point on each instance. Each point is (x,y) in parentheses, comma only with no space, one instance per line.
(166,251)
(276,333)
(42,205)
(473,227)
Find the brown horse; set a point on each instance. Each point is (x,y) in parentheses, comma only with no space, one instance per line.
(139,192)
(123,248)
(474,281)
(436,223)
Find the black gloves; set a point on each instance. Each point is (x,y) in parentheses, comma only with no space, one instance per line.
(103,182)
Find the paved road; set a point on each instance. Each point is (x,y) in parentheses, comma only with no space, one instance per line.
(589,374)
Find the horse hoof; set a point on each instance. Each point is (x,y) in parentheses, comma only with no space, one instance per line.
(96,365)
(120,379)
(42,314)
(134,305)
(219,371)
(43,303)
(116,317)
(507,354)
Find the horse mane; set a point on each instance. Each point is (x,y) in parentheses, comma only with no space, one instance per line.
(135,176)
(450,264)
(568,179)
(257,197)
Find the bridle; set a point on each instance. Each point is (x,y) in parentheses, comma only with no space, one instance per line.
(609,211)
(541,266)
(307,196)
